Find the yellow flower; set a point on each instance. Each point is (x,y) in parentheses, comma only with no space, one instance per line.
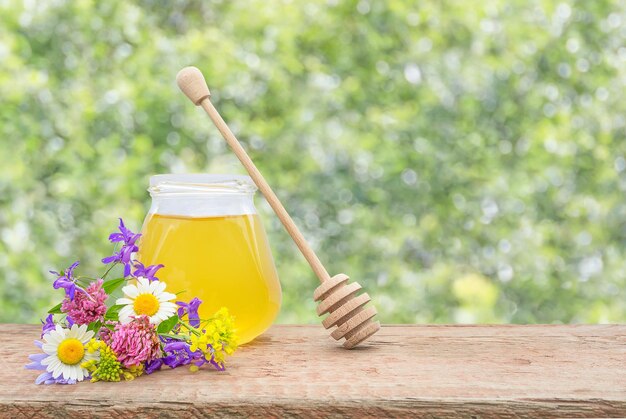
(94,345)
(107,367)
(132,372)
(217,339)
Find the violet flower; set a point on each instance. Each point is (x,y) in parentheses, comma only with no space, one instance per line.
(67,281)
(217,365)
(128,248)
(191,310)
(200,360)
(45,377)
(47,325)
(177,353)
(153,366)
(146,271)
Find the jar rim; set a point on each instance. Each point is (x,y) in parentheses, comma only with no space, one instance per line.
(201,183)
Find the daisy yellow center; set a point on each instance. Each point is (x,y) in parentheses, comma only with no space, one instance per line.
(71,351)
(146,304)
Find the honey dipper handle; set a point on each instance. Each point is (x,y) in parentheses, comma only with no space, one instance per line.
(192,83)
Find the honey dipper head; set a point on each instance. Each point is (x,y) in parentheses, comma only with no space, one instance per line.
(346,310)
(191,81)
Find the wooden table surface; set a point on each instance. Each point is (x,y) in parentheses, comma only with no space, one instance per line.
(438,371)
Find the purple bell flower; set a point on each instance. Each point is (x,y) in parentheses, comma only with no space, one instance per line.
(153,366)
(47,325)
(148,272)
(191,309)
(177,354)
(67,281)
(128,238)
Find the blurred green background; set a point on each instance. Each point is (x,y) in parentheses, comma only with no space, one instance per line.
(464,161)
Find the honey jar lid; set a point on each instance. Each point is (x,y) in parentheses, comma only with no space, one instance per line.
(202,195)
(200,179)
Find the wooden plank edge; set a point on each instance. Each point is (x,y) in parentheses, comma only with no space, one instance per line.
(82,408)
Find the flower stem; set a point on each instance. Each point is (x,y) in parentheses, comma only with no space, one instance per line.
(80,280)
(169,335)
(109,270)
(190,328)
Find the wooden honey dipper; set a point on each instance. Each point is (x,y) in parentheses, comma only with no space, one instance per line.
(335,295)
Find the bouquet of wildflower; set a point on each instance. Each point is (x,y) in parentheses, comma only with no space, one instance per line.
(92,334)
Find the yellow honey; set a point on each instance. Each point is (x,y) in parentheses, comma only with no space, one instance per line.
(223,260)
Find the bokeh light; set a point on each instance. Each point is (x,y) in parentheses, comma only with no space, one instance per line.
(463,161)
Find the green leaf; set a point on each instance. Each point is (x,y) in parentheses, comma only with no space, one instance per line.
(112,284)
(95,326)
(109,326)
(56,309)
(113,313)
(168,324)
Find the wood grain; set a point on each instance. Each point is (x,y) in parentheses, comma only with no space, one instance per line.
(404,371)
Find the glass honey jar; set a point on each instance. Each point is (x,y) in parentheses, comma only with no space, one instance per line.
(206,231)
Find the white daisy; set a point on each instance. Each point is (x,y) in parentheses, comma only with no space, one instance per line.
(66,352)
(146,298)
